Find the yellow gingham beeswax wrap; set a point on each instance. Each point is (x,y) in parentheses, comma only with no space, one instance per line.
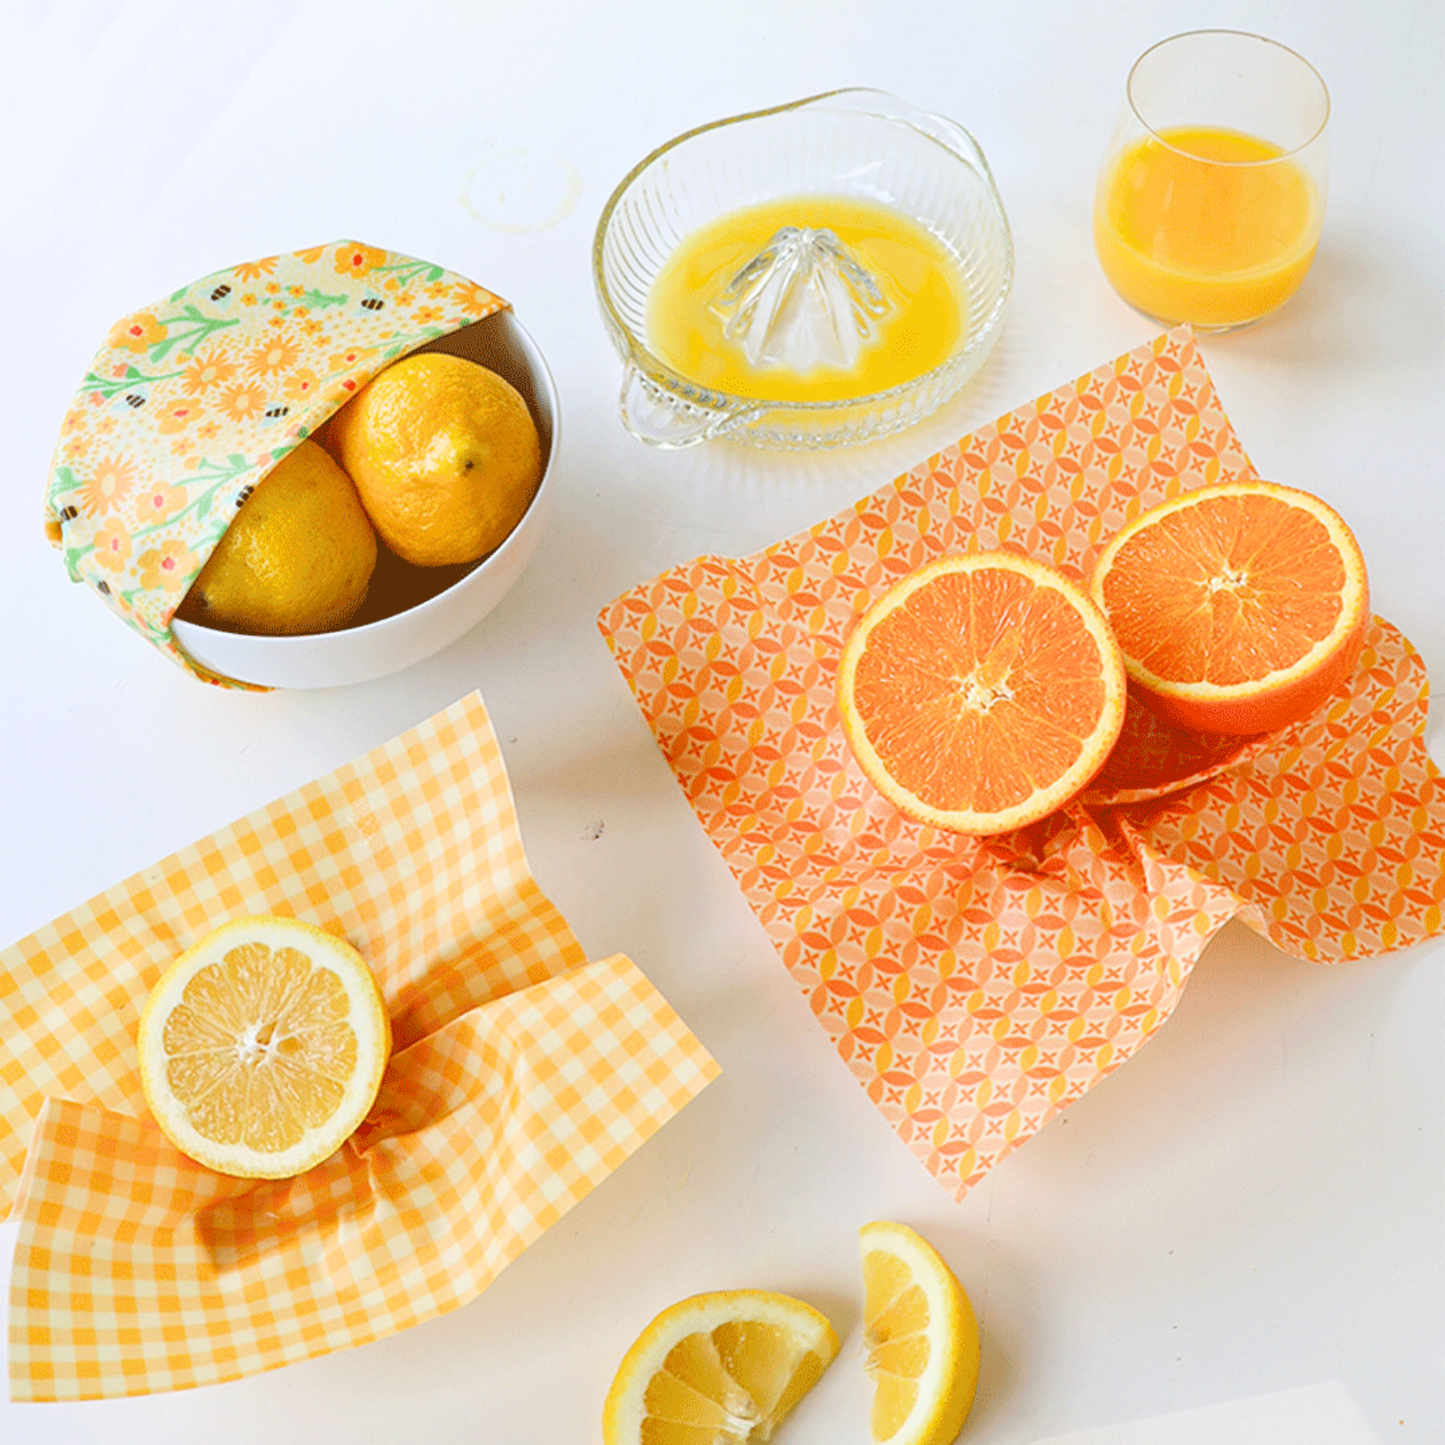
(522,1075)
(976,987)
(192,400)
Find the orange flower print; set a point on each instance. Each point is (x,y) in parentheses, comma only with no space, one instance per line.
(244,402)
(350,359)
(112,546)
(312,254)
(254,270)
(473,297)
(177,416)
(302,385)
(358,260)
(158,503)
(212,369)
(108,486)
(137,333)
(272,356)
(208,431)
(427,315)
(169,566)
(75,419)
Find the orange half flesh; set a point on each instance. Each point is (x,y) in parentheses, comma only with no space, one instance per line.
(1239,607)
(982,692)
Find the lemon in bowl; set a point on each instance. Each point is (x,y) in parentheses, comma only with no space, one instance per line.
(445,455)
(298,558)
(410,612)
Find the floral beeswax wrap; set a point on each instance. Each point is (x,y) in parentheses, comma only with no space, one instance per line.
(522,1075)
(978,986)
(193,400)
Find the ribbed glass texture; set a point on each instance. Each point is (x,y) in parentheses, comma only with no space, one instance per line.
(861,144)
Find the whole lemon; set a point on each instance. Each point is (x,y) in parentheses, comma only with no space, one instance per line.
(297,558)
(445,455)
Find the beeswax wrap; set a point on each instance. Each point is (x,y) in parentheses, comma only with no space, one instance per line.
(522,1075)
(977,986)
(192,400)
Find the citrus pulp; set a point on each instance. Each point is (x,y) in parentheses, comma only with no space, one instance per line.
(1239,607)
(921,1335)
(263,1047)
(982,692)
(717,1369)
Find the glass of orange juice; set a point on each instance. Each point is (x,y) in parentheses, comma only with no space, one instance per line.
(1210,198)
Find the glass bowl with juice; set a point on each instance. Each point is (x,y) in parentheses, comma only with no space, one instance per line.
(820,273)
(1211,196)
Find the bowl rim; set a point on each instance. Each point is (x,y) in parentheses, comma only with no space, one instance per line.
(694,393)
(357,637)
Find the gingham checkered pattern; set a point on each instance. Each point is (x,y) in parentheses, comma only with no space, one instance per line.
(522,1077)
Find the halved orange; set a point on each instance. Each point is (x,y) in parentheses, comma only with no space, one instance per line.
(263,1047)
(982,692)
(1239,607)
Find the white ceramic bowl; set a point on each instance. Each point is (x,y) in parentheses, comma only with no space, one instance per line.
(369,650)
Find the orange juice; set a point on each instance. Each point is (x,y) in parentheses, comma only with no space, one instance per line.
(919,278)
(1205,225)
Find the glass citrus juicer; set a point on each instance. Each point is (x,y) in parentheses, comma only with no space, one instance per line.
(820,273)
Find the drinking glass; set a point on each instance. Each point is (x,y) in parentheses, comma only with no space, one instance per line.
(1211,195)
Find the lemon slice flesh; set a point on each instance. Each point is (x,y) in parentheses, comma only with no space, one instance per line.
(921,1336)
(718,1369)
(263,1047)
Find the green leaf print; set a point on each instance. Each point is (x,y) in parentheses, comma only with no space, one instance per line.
(188,330)
(132,380)
(315,298)
(408,270)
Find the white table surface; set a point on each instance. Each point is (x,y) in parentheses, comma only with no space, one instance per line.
(1241,1233)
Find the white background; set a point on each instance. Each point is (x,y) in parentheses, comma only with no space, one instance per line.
(1244,1226)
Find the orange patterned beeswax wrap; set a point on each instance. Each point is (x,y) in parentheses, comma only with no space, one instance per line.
(977,986)
(193,400)
(522,1076)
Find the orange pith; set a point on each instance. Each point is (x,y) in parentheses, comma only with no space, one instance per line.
(982,692)
(1239,607)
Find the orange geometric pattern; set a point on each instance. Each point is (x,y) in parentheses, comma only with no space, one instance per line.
(978,986)
(522,1075)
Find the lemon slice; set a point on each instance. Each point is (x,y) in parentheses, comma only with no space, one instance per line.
(717,1369)
(262,1047)
(921,1336)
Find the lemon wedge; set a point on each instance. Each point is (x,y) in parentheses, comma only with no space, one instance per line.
(718,1369)
(921,1336)
(263,1047)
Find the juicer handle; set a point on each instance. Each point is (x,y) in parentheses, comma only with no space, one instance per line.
(667,421)
(948,133)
